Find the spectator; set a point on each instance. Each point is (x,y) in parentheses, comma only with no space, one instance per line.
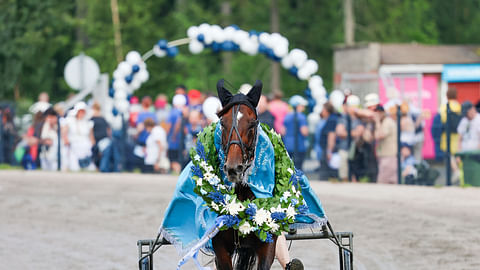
(279,110)
(162,109)
(264,115)
(407,126)
(295,131)
(408,162)
(386,136)
(79,138)
(455,117)
(42,104)
(326,139)
(49,141)
(145,113)
(181,90)
(195,100)
(356,131)
(155,149)
(469,128)
(102,139)
(8,136)
(175,133)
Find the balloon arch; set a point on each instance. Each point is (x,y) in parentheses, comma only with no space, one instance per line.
(131,73)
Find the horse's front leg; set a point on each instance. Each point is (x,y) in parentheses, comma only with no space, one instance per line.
(220,246)
(266,255)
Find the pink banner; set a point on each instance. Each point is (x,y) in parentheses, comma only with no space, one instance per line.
(408,90)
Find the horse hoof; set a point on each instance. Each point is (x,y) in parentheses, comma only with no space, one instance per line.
(295,264)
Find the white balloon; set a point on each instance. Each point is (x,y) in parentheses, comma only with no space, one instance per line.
(208,38)
(135,84)
(229,33)
(287,62)
(303,74)
(117,75)
(317,92)
(116,122)
(195,47)
(159,52)
(318,108)
(313,119)
(204,28)
(120,85)
(264,38)
(336,98)
(192,32)
(210,107)
(122,105)
(133,58)
(315,82)
(311,65)
(249,47)
(240,36)
(124,68)
(280,50)
(299,57)
(142,75)
(217,33)
(120,94)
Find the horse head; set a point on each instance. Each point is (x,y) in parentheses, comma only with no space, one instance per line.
(239,123)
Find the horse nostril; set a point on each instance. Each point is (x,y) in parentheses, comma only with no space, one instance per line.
(224,168)
(231,172)
(240,168)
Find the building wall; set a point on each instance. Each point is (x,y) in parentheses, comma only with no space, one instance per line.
(356,68)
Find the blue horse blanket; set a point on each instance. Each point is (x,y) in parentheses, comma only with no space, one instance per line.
(187,218)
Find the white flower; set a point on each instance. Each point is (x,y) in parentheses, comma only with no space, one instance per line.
(262,216)
(277,209)
(294,190)
(273,225)
(196,157)
(234,208)
(209,168)
(215,206)
(290,171)
(287,194)
(203,191)
(291,212)
(220,186)
(246,228)
(199,181)
(212,179)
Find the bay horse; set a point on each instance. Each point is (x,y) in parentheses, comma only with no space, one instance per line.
(239,123)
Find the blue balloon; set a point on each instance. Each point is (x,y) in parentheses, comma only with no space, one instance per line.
(111,92)
(293,70)
(262,48)
(129,97)
(216,46)
(172,51)
(228,46)
(253,33)
(201,38)
(114,111)
(129,78)
(307,92)
(135,68)
(236,47)
(163,44)
(270,53)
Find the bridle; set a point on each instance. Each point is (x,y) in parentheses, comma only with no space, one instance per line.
(248,151)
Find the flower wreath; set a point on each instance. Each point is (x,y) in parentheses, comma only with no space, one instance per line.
(263,216)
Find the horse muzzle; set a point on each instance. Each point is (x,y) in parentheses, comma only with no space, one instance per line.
(234,172)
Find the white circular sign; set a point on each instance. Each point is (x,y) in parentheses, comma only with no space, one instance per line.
(81,72)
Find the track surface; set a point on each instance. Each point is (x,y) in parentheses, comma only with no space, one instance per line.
(92,221)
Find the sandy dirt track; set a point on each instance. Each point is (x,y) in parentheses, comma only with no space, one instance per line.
(92,221)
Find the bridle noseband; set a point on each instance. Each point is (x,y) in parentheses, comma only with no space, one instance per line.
(248,151)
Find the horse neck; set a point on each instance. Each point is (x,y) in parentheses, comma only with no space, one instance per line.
(244,192)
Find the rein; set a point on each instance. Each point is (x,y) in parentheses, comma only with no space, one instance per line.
(247,150)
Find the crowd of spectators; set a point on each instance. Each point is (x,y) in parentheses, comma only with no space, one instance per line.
(356,141)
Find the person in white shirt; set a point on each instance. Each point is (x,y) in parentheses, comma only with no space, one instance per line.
(49,141)
(79,138)
(469,128)
(155,148)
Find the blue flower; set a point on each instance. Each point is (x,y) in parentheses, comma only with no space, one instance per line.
(201,150)
(303,209)
(278,215)
(269,238)
(231,221)
(217,197)
(251,210)
(196,171)
(296,176)
(294,202)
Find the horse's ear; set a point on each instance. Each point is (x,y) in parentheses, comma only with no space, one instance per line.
(223,94)
(255,93)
